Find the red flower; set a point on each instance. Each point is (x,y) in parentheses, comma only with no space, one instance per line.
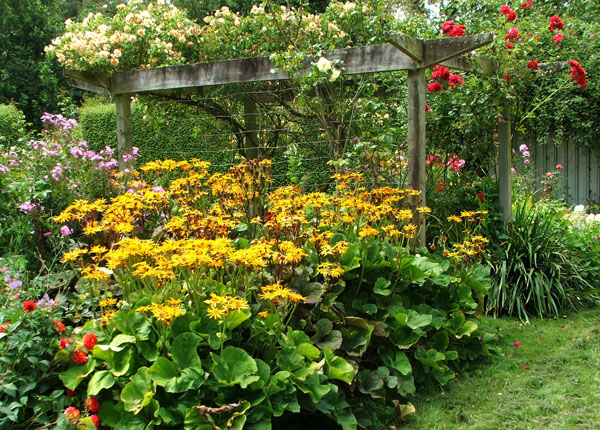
(517,344)
(533,65)
(72,414)
(440,73)
(504,10)
(509,45)
(455,79)
(64,342)
(558,167)
(527,4)
(558,38)
(4,326)
(29,306)
(92,404)
(447,26)
(60,327)
(511,16)
(70,393)
(457,31)
(578,74)
(79,357)
(96,420)
(89,341)
(481,196)
(507,77)
(435,87)
(525,367)
(427,108)
(513,33)
(555,23)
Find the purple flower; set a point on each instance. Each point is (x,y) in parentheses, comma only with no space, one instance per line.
(66,231)
(26,207)
(45,301)
(3,269)
(14,284)
(3,168)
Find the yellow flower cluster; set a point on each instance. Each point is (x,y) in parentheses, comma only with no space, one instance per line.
(275,293)
(221,306)
(164,313)
(469,248)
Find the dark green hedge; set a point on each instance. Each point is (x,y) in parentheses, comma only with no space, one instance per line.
(178,132)
(12,125)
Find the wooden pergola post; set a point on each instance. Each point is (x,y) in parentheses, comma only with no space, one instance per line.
(504,173)
(124,132)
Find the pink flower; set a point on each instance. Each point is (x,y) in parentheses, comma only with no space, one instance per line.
(48,233)
(558,38)
(513,33)
(72,414)
(66,231)
(517,344)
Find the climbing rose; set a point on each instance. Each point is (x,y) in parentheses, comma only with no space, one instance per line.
(79,357)
(511,16)
(555,23)
(440,73)
(509,45)
(578,74)
(513,34)
(89,341)
(455,79)
(435,87)
(457,31)
(558,38)
(481,196)
(72,414)
(533,65)
(29,306)
(447,26)
(92,404)
(527,4)
(504,10)
(427,108)
(507,77)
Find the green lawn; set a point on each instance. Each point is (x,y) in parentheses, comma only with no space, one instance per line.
(558,389)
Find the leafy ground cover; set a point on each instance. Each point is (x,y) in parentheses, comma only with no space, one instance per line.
(550,381)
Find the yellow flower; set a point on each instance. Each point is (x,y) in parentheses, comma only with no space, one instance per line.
(454,218)
(263,314)
(73,255)
(424,210)
(107,302)
(368,231)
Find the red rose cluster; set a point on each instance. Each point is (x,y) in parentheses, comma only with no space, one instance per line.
(527,4)
(555,23)
(442,74)
(452,29)
(578,74)
(510,14)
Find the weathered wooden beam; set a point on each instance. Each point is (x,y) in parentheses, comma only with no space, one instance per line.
(504,165)
(366,59)
(411,46)
(482,66)
(439,50)
(417,88)
(124,131)
(82,85)
(97,82)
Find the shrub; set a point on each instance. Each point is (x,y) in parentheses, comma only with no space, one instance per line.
(12,125)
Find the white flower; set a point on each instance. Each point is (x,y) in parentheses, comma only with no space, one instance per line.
(334,75)
(349,7)
(590,218)
(105,270)
(597,217)
(579,209)
(323,64)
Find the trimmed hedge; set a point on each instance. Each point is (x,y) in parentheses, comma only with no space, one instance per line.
(177,132)
(12,125)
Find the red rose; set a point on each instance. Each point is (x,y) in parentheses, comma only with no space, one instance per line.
(92,404)
(427,109)
(533,65)
(517,344)
(481,196)
(507,77)
(440,73)
(457,31)
(578,74)
(96,420)
(454,80)
(79,357)
(89,341)
(513,33)
(511,16)
(558,38)
(509,45)
(447,26)
(435,87)
(555,23)
(70,393)
(29,306)
(504,10)
(72,414)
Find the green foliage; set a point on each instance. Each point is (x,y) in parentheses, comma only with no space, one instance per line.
(12,125)
(536,271)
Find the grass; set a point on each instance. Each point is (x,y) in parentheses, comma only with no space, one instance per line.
(558,389)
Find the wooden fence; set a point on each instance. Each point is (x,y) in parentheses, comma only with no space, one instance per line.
(580,173)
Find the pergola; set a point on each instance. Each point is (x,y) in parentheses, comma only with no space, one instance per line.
(401,53)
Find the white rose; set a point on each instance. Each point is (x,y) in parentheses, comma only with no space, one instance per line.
(334,75)
(323,64)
